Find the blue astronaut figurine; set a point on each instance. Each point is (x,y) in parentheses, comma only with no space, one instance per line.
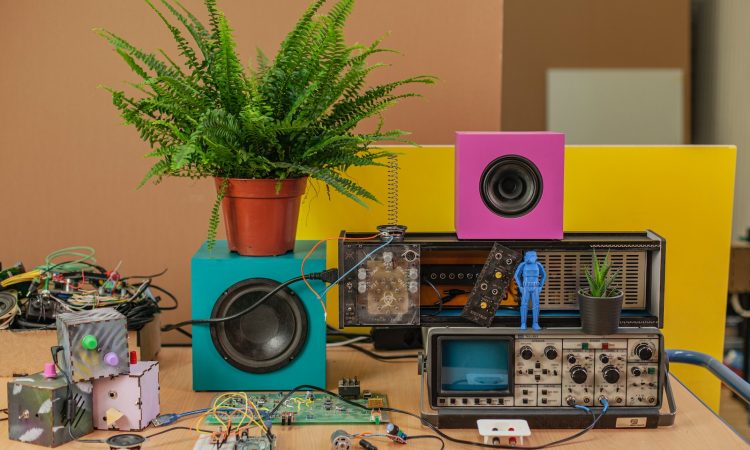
(530,277)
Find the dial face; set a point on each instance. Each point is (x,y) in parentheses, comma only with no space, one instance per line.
(578,374)
(611,374)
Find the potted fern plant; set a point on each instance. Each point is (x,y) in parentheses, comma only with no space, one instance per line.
(600,303)
(262,131)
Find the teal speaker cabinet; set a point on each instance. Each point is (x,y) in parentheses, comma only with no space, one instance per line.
(278,345)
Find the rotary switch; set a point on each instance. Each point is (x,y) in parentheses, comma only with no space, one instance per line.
(526,352)
(604,359)
(636,371)
(571,359)
(611,374)
(644,351)
(578,374)
(550,352)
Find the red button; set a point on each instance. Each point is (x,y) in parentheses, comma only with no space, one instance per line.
(605,346)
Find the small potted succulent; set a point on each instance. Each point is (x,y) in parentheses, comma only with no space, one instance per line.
(263,131)
(600,303)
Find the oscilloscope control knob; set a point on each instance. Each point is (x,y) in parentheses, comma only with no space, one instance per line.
(636,371)
(578,374)
(571,359)
(644,351)
(550,352)
(526,352)
(611,374)
(570,400)
(604,359)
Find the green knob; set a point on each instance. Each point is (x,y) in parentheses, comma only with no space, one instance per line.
(89,342)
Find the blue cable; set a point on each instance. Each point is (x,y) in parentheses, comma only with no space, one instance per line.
(390,239)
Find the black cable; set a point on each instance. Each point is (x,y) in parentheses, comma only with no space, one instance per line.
(427,436)
(379,356)
(331,331)
(155,275)
(327,276)
(168,294)
(432,427)
(236,315)
(149,436)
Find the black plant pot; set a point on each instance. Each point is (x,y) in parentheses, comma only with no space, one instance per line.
(600,315)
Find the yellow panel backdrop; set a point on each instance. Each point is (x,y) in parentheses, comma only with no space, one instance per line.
(683,193)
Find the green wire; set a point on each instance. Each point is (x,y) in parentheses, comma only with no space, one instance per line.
(83,258)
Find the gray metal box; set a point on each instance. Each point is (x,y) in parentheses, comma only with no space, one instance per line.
(37,412)
(95,344)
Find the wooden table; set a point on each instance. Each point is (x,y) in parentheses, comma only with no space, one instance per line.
(696,427)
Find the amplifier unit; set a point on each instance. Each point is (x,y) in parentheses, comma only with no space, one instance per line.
(500,373)
(425,278)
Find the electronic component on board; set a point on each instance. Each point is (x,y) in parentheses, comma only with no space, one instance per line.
(243,442)
(349,388)
(491,286)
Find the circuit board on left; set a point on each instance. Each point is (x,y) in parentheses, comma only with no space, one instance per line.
(312,408)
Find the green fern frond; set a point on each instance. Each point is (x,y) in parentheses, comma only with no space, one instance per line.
(295,115)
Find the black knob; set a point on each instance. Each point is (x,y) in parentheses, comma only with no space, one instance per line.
(526,352)
(604,359)
(578,374)
(644,351)
(636,371)
(571,359)
(611,374)
(550,352)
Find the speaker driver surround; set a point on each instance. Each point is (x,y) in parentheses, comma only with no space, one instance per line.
(7,303)
(511,186)
(265,339)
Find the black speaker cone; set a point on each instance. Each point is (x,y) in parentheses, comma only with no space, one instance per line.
(268,337)
(7,303)
(511,186)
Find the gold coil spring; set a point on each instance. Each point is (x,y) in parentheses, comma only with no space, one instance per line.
(393,170)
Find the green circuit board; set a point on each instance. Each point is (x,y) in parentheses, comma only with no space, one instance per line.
(310,408)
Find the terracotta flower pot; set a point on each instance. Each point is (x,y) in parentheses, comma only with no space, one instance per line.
(261,215)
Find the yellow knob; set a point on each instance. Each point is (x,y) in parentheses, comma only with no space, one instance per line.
(498,275)
(483,305)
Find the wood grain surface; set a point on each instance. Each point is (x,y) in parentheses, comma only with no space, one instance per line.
(696,427)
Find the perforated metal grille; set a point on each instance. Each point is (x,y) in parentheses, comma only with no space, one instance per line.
(565,277)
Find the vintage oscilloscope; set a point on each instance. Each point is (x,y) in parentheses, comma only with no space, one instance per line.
(399,284)
(500,373)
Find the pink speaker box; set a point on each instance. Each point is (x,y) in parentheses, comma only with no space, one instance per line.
(509,185)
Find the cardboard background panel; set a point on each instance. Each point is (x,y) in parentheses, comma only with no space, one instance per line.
(684,193)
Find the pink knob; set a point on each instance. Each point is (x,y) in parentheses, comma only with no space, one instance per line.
(49,370)
(112,359)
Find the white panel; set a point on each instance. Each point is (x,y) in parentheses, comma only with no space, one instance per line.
(616,106)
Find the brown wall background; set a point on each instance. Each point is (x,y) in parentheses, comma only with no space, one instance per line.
(68,169)
(543,34)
